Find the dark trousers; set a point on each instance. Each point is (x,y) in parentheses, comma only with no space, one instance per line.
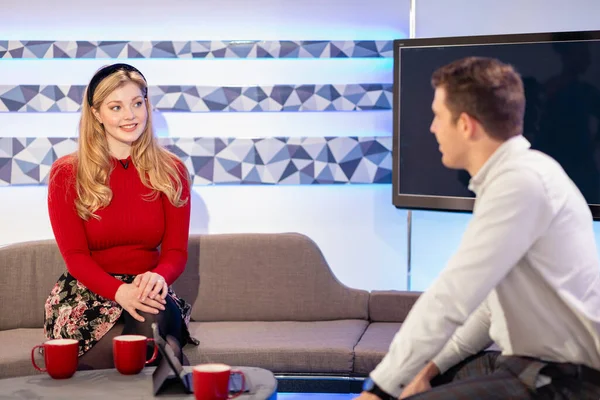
(170,326)
(490,376)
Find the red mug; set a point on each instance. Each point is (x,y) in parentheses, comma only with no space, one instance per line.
(211,381)
(129,353)
(60,357)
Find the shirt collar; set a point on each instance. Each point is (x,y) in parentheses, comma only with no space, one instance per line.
(513,145)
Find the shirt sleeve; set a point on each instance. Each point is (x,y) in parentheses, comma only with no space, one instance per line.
(69,232)
(468,340)
(174,246)
(511,213)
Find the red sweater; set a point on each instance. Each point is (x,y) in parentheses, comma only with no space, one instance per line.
(126,238)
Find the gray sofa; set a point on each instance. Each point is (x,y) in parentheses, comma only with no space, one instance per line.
(266,300)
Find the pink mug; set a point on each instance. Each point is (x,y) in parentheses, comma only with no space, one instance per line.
(60,357)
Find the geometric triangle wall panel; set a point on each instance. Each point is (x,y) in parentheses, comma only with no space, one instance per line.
(227,161)
(176,98)
(48,49)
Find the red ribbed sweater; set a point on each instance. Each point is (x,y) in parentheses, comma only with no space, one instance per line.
(126,238)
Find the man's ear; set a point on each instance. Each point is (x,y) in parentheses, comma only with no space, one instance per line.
(467,125)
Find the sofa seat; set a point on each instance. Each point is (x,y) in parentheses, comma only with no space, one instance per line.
(373,346)
(320,347)
(15,351)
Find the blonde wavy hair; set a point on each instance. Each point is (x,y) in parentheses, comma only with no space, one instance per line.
(156,166)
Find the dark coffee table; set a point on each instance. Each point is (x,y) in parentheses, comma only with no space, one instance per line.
(110,384)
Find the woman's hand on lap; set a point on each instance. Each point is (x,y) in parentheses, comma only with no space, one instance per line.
(127,297)
(151,285)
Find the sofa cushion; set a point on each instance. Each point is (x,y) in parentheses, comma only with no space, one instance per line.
(302,347)
(265,277)
(29,271)
(15,351)
(391,305)
(373,345)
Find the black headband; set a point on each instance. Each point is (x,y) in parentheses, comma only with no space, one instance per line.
(105,72)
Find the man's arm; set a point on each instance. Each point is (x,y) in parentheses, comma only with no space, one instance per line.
(511,215)
(469,339)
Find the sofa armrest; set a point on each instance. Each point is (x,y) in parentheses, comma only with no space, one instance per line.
(391,305)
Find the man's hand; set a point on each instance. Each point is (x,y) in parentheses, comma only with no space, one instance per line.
(418,385)
(367,396)
(127,297)
(151,285)
(421,382)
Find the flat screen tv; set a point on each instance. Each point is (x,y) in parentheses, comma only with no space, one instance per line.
(561,75)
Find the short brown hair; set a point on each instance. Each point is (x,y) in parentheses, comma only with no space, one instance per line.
(486,89)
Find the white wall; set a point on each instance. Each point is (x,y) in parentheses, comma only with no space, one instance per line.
(488,17)
(360,233)
(204,20)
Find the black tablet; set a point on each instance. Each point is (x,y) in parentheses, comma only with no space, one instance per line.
(170,371)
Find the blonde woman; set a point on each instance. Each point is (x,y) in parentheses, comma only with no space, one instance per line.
(111,205)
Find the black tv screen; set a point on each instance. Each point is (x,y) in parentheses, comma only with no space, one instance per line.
(561,76)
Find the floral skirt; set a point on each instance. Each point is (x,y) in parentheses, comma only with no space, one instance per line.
(74,312)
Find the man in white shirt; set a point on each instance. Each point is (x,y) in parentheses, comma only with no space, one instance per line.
(526,274)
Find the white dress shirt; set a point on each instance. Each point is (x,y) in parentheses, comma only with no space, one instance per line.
(526,276)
